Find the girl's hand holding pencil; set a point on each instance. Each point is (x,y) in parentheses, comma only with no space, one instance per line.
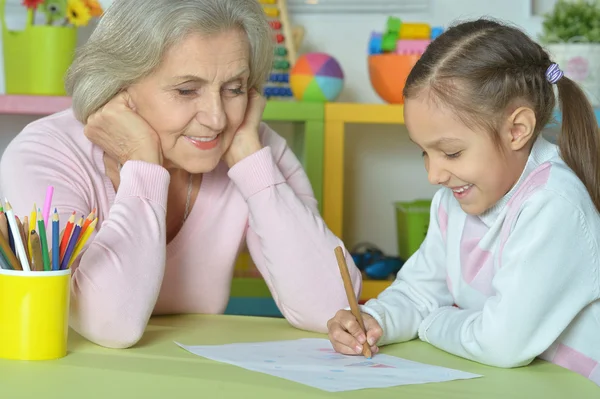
(350,331)
(25,246)
(347,336)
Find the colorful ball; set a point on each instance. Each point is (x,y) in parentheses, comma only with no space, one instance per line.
(316,77)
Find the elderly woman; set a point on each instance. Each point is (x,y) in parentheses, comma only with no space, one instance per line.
(165,140)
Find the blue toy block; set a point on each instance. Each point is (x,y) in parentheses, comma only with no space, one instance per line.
(375,43)
(279,77)
(436,31)
(277,92)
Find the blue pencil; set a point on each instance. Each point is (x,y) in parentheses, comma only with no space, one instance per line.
(55,242)
(72,242)
(11,239)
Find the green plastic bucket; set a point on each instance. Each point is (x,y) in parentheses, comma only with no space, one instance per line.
(36,58)
(412,219)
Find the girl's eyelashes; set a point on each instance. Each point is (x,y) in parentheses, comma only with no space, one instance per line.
(449,156)
(453,155)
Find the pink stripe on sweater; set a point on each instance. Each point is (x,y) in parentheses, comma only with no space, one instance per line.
(533,183)
(443,221)
(571,359)
(476,263)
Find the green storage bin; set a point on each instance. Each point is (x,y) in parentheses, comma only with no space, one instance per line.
(412,220)
(36,59)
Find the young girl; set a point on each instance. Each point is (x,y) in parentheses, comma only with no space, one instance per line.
(509,270)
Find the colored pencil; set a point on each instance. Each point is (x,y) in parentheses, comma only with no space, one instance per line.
(37,260)
(71,247)
(26,232)
(3,225)
(33,219)
(22,228)
(83,238)
(43,241)
(341,260)
(8,254)
(20,248)
(11,238)
(66,236)
(4,263)
(47,205)
(55,241)
(87,222)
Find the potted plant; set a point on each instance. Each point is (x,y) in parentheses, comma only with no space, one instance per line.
(37,58)
(571,34)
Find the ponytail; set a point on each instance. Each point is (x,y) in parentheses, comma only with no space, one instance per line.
(579,139)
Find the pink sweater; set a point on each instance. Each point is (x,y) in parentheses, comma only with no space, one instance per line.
(127,273)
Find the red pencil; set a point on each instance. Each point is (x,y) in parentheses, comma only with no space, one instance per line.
(64,242)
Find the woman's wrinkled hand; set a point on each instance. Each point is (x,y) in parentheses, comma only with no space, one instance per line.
(122,133)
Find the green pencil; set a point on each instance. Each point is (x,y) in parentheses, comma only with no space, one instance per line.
(43,241)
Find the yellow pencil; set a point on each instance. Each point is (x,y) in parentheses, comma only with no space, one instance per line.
(32,219)
(81,242)
(32,227)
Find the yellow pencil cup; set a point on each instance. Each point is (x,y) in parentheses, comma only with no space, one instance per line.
(34,314)
(36,59)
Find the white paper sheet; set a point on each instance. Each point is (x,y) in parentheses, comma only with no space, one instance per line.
(313,362)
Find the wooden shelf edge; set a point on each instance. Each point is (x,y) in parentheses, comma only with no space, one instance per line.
(32,105)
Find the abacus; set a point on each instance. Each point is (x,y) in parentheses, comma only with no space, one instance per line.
(277,85)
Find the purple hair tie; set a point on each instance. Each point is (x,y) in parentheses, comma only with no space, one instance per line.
(553,73)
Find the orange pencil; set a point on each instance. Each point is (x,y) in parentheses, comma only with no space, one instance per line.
(341,260)
(83,238)
(64,241)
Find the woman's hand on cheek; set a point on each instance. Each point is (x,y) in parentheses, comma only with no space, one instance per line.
(246,141)
(122,133)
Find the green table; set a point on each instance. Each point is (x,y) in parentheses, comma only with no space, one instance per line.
(157,368)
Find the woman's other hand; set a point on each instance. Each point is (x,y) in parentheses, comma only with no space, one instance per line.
(122,133)
(246,141)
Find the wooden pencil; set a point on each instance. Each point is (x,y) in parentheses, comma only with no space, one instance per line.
(37,260)
(43,241)
(19,245)
(341,260)
(22,227)
(83,238)
(8,254)
(66,235)
(55,251)
(4,225)
(86,224)
(33,219)
(27,233)
(71,247)
(3,262)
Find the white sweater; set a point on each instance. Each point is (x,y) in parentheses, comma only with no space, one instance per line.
(520,281)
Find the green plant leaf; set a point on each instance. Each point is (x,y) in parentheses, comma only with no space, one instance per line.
(572,21)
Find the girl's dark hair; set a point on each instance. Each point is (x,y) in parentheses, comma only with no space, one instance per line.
(479,68)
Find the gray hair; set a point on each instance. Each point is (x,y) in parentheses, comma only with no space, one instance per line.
(133,35)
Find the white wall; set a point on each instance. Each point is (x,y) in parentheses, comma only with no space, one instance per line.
(381,164)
